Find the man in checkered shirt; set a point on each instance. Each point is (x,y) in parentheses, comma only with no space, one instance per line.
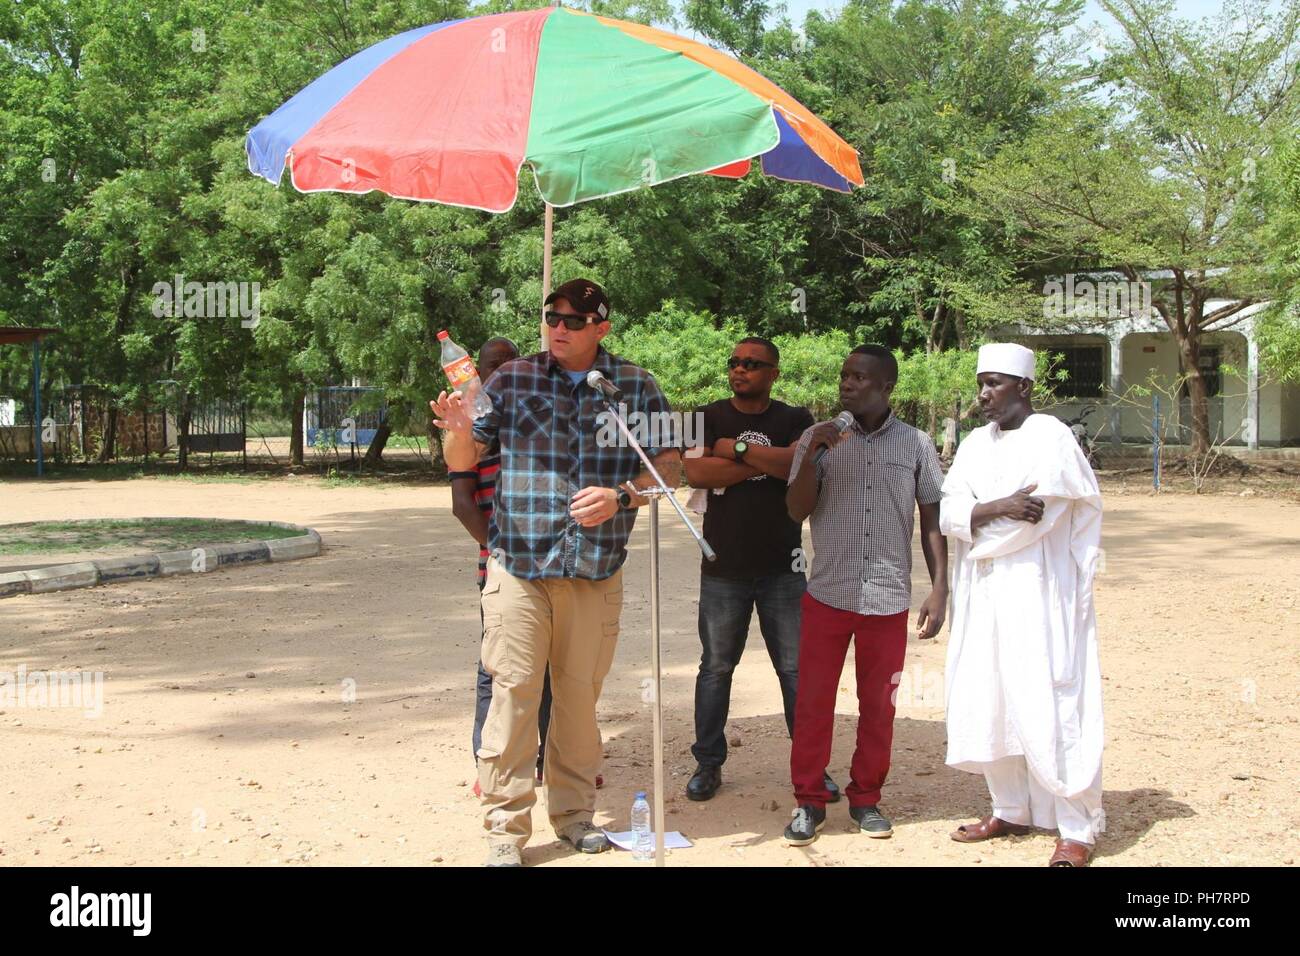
(861,494)
(566,502)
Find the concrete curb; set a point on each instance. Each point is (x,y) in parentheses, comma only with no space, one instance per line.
(86,574)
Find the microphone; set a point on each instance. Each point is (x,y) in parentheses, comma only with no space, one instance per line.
(841,422)
(597,380)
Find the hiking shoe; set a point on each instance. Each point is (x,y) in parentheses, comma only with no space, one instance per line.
(504,854)
(586,837)
(802,830)
(871,821)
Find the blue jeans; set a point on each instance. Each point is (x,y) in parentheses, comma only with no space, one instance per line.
(725,609)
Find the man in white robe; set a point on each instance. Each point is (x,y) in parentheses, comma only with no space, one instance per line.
(1022,512)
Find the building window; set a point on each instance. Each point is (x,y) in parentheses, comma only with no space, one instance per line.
(1083,367)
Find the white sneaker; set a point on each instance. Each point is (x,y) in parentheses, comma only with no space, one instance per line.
(504,854)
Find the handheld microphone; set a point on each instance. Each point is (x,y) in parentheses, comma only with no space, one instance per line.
(841,422)
(597,380)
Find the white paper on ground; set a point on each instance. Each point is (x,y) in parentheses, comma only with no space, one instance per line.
(627,841)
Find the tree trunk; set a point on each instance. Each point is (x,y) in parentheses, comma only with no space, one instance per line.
(1183,317)
(376,449)
(959,326)
(938,325)
(129,276)
(107,450)
(1198,397)
(950,426)
(295,431)
(183,439)
(435,447)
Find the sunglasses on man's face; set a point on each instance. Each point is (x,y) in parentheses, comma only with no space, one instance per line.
(574,323)
(748,364)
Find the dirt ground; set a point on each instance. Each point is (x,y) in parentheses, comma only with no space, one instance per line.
(229,733)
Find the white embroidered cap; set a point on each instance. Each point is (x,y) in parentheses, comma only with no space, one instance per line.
(1006,358)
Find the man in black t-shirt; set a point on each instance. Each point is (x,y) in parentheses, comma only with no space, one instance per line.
(745,460)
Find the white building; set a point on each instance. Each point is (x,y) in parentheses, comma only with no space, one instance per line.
(1105,358)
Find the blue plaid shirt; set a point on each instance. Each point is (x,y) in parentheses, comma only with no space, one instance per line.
(551,434)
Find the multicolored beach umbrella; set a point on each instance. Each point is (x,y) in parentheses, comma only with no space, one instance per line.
(451,112)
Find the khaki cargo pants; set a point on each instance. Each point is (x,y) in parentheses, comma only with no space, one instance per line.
(572,625)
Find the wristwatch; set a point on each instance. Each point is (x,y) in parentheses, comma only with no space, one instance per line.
(624,499)
(738,450)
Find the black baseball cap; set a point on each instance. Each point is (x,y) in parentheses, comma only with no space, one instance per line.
(584,295)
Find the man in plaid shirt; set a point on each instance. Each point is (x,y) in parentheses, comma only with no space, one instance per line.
(566,502)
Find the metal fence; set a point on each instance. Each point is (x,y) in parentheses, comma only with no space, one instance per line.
(218,426)
(344,415)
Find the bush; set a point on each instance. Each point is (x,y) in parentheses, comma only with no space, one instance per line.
(810,370)
(686,351)
(932,385)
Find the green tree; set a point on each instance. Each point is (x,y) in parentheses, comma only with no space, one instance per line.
(929,91)
(1159,176)
(1277,328)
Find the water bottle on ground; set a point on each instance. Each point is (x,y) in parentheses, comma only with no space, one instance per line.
(644,848)
(463,376)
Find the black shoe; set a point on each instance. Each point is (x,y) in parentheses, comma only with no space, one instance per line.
(704,784)
(803,828)
(871,821)
(832,786)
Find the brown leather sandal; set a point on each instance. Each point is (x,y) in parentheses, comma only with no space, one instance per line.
(1070,853)
(987,829)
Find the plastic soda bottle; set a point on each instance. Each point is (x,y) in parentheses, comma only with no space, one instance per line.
(463,376)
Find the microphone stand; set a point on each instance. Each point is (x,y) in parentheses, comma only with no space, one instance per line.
(654,493)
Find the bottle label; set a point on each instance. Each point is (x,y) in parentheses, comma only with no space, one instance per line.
(460,371)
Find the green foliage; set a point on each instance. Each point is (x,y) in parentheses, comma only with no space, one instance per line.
(688,353)
(810,370)
(1277,327)
(1159,174)
(736,25)
(1278,333)
(934,385)
(685,350)
(122,165)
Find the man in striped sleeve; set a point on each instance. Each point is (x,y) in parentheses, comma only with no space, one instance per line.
(471,502)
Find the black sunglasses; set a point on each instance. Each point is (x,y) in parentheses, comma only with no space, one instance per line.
(574,323)
(748,364)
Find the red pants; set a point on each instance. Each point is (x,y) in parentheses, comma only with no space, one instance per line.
(880,644)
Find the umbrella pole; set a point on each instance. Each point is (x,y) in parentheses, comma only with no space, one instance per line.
(547,230)
(658,682)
